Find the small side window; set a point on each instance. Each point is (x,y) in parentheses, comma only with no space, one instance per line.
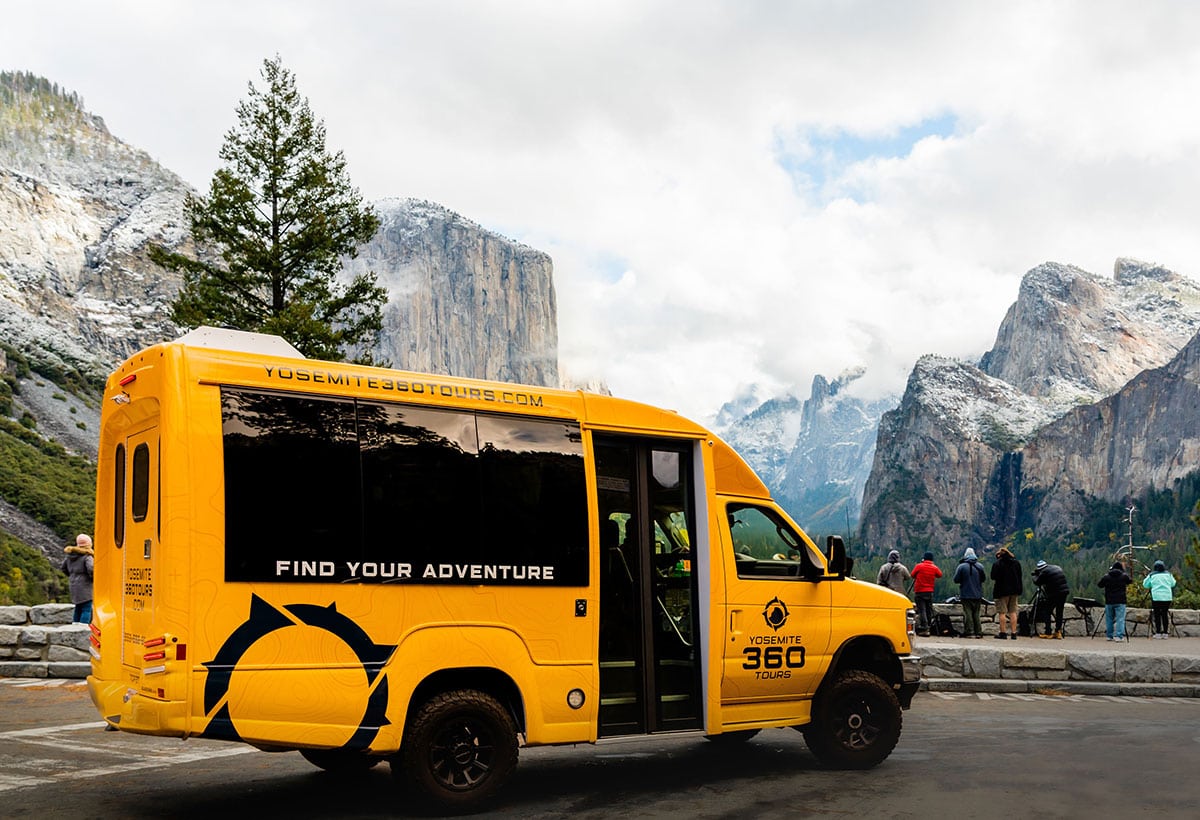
(141,482)
(764,546)
(119,496)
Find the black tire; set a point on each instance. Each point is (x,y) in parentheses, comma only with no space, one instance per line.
(460,749)
(855,722)
(340,761)
(732,738)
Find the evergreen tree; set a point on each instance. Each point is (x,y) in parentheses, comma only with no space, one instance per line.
(279,214)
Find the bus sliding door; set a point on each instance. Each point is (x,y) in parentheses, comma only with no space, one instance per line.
(649,628)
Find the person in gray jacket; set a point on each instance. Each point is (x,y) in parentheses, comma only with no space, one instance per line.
(79,566)
(893,574)
(970,577)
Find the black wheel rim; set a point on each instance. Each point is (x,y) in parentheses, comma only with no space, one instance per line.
(857,722)
(462,754)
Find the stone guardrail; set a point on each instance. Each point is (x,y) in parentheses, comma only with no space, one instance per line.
(1039,664)
(41,642)
(1075,668)
(1185,622)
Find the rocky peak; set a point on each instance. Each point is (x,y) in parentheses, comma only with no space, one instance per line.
(815,454)
(1082,396)
(1073,337)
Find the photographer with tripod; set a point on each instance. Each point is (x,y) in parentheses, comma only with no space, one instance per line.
(1052,581)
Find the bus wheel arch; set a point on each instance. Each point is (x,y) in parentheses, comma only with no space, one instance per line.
(866,653)
(488,680)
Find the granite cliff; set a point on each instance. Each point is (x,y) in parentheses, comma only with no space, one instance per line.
(1084,395)
(79,210)
(462,300)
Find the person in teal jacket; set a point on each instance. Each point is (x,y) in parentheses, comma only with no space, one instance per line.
(1161,585)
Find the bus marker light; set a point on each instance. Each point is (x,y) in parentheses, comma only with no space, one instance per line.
(132,377)
(575,698)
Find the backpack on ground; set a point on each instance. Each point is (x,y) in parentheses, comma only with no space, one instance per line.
(943,625)
(1024,625)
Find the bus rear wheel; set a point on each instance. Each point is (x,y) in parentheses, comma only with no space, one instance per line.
(460,749)
(855,722)
(339,761)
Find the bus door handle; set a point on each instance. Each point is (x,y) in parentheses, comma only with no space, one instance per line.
(734,619)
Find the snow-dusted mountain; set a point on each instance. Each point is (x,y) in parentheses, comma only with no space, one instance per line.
(952,464)
(814,455)
(79,210)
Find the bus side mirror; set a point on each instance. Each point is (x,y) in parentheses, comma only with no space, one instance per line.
(840,564)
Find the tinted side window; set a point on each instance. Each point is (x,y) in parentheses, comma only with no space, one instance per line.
(420,484)
(119,496)
(533,495)
(292,486)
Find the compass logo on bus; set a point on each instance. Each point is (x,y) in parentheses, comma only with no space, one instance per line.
(265,619)
(775,613)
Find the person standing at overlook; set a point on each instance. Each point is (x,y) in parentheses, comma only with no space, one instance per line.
(970,577)
(1114,583)
(79,566)
(1161,585)
(1054,584)
(893,574)
(1007,589)
(924,575)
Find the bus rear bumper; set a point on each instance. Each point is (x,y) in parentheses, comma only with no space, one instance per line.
(125,709)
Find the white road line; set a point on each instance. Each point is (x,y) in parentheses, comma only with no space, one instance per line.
(17,781)
(51,730)
(9,782)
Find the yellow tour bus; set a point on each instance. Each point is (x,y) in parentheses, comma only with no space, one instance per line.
(364,564)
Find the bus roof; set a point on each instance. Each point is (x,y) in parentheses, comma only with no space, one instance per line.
(219,355)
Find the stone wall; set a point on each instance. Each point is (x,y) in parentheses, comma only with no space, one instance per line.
(41,642)
(1034,661)
(1137,621)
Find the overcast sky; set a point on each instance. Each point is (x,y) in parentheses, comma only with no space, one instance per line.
(733,193)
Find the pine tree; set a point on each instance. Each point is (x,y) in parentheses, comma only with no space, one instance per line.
(279,215)
(1191,559)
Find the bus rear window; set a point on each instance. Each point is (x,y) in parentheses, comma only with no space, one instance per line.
(140,497)
(119,495)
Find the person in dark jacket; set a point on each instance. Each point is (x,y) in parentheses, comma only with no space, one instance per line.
(1114,583)
(1007,589)
(1053,581)
(79,565)
(970,577)
(924,575)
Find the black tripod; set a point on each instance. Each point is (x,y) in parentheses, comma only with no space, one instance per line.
(1038,603)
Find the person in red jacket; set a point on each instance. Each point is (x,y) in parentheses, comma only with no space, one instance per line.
(924,574)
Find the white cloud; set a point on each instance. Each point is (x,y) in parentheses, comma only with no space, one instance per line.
(640,144)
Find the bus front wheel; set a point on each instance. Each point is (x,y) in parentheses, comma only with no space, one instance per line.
(460,748)
(855,722)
